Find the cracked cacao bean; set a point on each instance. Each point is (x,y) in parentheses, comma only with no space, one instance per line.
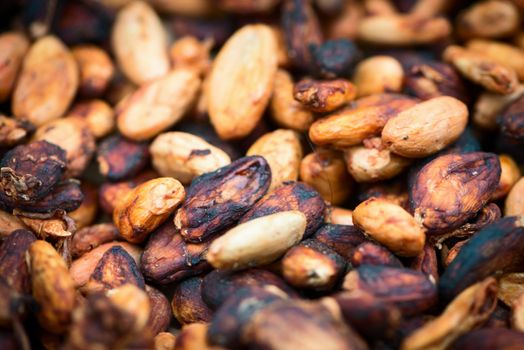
(216,200)
(452,188)
(29,172)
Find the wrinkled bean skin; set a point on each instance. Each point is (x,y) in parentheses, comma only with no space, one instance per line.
(218,199)
(291,196)
(343,239)
(66,196)
(116,268)
(452,188)
(29,172)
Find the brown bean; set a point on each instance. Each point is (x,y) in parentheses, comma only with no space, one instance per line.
(193,337)
(488,19)
(500,52)
(283,152)
(428,79)
(168,258)
(390,225)
(269,328)
(493,249)
(411,291)
(98,115)
(73,136)
(511,120)
(515,201)
(370,316)
(227,326)
(90,237)
(146,207)
(426,128)
(114,269)
(109,321)
(301,29)
(291,196)
(13,267)
(47,83)
(482,69)
(285,110)
(461,184)
(85,214)
(52,286)
(187,304)
(313,265)
(160,318)
(403,30)
(369,253)
(13,47)
(323,96)
(96,70)
(218,199)
(119,158)
(13,132)
(509,175)
(9,223)
(350,126)
(343,239)
(373,161)
(189,52)
(325,171)
(110,194)
(158,105)
(490,338)
(23,180)
(468,310)
(82,268)
(217,285)
(141,57)
(185,156)
(378,74)
(165,341)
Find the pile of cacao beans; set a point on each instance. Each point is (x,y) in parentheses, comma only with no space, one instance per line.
(261,174)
